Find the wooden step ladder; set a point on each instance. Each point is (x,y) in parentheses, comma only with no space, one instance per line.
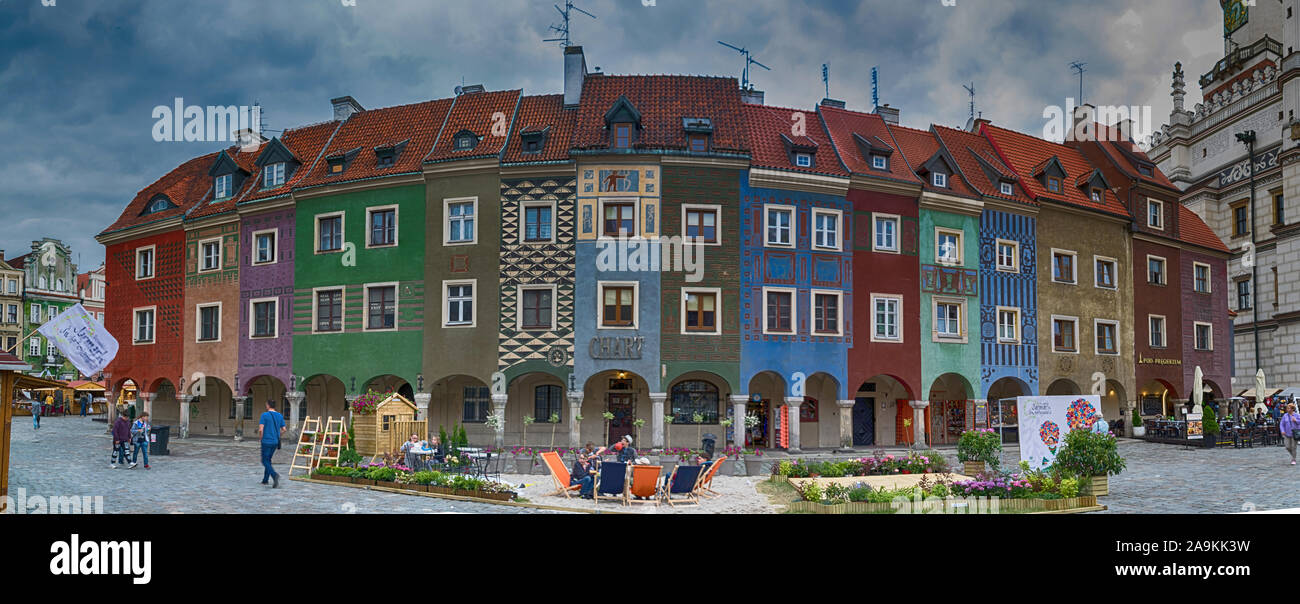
(332,446)
(306,439)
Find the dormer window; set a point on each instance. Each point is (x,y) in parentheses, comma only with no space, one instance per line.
(533,139)
(1145,170)
(532,146)
(1095,194)
(385,160)
(1007,189)
(699,143)
(158,204)
(803,160)
(273,174)
(1053,184)
(1155,214)
(878,162)
(335,165)
(222,186)
(622,136)
(939,179)
(465,140)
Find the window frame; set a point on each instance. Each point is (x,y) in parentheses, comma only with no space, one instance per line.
(939,232)
(1074,335)
(519,307)
(1159,216)
(1276,195)
(876,219)
(559,411)
(252,318)
(1233,208)
(153,262)
(1014,310)
(1096,332)
(1250,293)
(1006,189)
(794,310)
(617,138)
(939,179)
(898,316)
(1114,262)
(1053,184)
(1209,334)
(1164,270)
(838,239)
(217,186)
(717,221)
(446,220)
(1015,255)
(365,306)
(1074,266)
(1164,332)
(716,292)
(768,209)
(343,232)
(315,308)
(634,202)
(203,256)
(839,312)
(370,212)
(803,160)
(275,247)
(884,162)
(600,304)
(1209,278)
(135,325)
(524,206)
(446,304)
(963,322)
(198,322)
(278,169)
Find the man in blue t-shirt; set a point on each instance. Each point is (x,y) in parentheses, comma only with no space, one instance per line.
(269,429)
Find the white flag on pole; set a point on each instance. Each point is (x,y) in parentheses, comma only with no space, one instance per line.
(85,341)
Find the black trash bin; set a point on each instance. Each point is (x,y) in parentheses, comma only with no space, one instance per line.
(708,443)
(158,436)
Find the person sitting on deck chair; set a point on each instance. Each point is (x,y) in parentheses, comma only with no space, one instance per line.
(580,473)
(622,450)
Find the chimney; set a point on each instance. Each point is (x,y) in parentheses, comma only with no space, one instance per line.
(344,107)
(751,96)
(575,71)
(1081,126)
(977,124)
(1123,129)
(829,102)
(889,114)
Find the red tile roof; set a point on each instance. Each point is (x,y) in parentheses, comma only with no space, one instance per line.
(211,207)
(768,130)
(1193,230)
(918,147)
(18,263)
(970,150)
(663,101)
(842,125)
(1123,152)
(477,113)
(417,124)
(538,113)
(1027,155)
(184,186)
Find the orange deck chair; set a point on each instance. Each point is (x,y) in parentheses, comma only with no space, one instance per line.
(645,483)
(706,482)
(559,474)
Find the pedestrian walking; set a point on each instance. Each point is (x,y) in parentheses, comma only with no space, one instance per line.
(36,414)
(269,428)
(1290,427)
(85,402)
(140,440)
(121,434)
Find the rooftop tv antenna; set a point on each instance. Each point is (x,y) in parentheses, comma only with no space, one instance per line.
(875,90)
(971,89)
(563,29)
(1079,68)
(749,60)
(826,79)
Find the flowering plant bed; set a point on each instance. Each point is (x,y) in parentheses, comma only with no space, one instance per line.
(927,462)
(421,482)
(936,494)
(981,445)
(951,505)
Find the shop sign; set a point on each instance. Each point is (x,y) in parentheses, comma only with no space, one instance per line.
(616,348)
(1155,361)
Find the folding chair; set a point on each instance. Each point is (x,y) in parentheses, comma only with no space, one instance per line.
(706,481)
(611,483)
(645,484)
(684,481)
(559,474)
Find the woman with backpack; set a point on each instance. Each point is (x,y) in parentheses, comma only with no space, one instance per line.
(140,439)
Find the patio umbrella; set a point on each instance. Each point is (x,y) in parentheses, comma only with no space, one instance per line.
(1259,386)
(1198,387)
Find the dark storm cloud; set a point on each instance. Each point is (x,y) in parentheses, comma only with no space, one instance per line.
(79,80)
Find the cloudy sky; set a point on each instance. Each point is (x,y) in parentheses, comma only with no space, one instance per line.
(79,80)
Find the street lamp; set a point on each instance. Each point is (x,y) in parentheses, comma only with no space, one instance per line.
(1247,138)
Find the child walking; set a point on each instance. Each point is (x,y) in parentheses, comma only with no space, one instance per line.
(140,439)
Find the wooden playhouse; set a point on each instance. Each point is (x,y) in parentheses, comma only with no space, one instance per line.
(388,427)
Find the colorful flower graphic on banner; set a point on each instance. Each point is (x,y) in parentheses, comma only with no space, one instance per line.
(1081,415)
(1051,435)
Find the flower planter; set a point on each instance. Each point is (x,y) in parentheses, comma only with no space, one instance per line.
(753,465)
(507,496)
(1139,431)
(738,467)
(1095,486)
(669,463)
(439,490)
(726,468)
(539,467)
(523,464)
(1210,440)
(387,484)
(972,468)
(363,481)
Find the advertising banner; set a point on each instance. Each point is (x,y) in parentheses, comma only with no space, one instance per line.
(1045,420)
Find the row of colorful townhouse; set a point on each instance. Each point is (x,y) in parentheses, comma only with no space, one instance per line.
(645,255)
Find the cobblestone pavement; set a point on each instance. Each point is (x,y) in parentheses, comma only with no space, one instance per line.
(68,456)
(1169,479)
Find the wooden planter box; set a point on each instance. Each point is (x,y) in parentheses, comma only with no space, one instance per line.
(387,484)
(507,496)
(972,468)
(1095,486)
(363,481)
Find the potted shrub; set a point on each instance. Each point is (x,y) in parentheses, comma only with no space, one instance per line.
(1139,430)
(539,466)
(668,459)
(528,421)
(753,462)
(1209,425)
(523,460)
(977,448)
(1093,458)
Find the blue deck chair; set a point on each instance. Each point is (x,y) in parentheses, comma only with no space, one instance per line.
(611,483)
(684,481)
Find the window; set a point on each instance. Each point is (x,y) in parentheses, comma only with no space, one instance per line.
(13,286)
(329,310)
(691,398)
(383,226)
(538,309)
(329,233)
(381,307)
(939,179)
(50,348)
(622,136)
(826,229)
(778,310)
(803,160)
(1243,294)
(1155,270)
(1107,336)
(209,323)
(210,255)
(878,162)
(1063,267)
(264,313)
(699,143)
(538,223)
(532,146)
(1106,272)
(34,346)
(144,324)
(548,400)
(1204,336)
(51,312)
(467,140)
(1279,209)
(58,285)
(460,303)
(1008,255)
(1157,330)
(144,263)
(386,160)
(620,219)
(248,408)
(1240,220)
(1053,184)
(222,187)
(273,174)
(264,247)
(13,313)
(700,311)
(1008,325)
(1201,277)
(947,246)
(884,318)
(1155,214)
(886,230)
(702,223)
(1065,332)
(45,284)
(780,229)
(948,318)
(1095,195)
(478,404)
(460,221)
(618,305)
(826,312)
(35,314)
(1007,189)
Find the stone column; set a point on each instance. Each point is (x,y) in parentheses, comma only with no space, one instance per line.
(240,403)
(422,405)
(183,430)
(970,412)
(794,402)
(499,409)
(846,423)
(657,419)
(918,422)
(146,403)
(294,400)
(575,409)
(739,402)
(349,399)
